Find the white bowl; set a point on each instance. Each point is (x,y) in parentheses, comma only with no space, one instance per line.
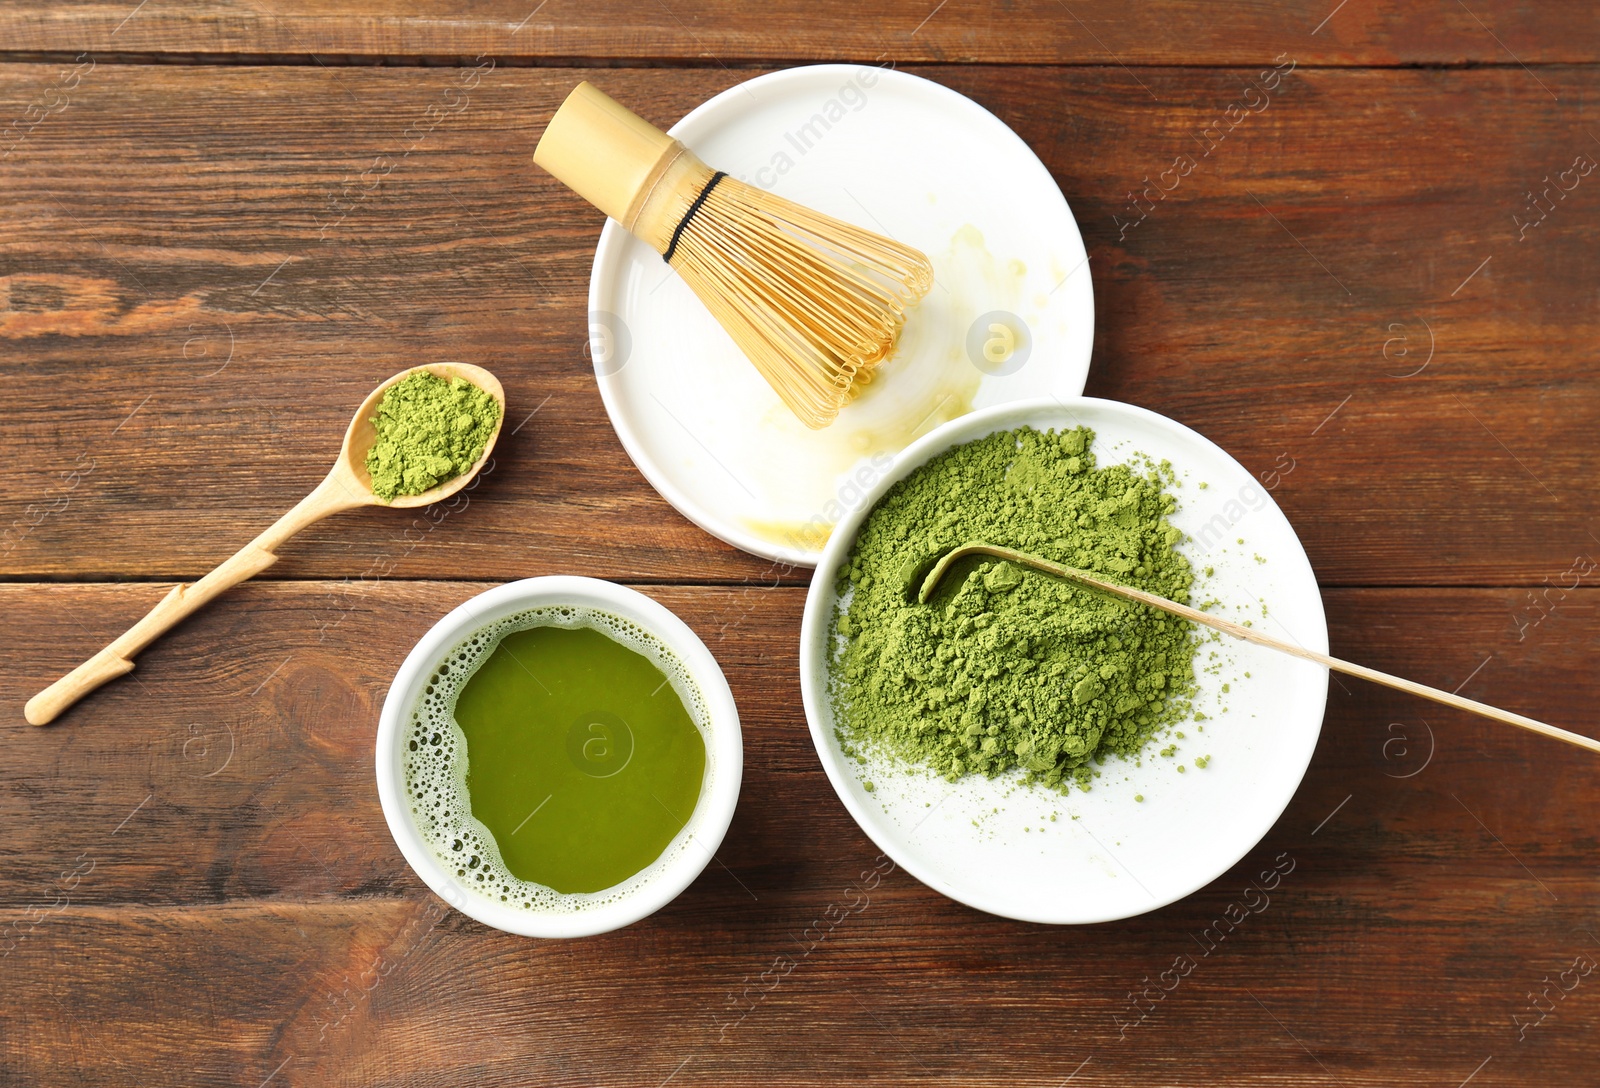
(685,857)
(1107,856)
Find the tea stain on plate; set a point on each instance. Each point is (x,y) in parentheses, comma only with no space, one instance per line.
(931,378)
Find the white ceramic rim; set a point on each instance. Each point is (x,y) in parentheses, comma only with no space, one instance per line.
(713,812)
(613,238)
(819,602)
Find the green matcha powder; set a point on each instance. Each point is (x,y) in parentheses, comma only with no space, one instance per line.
(1006,667)
(429,430)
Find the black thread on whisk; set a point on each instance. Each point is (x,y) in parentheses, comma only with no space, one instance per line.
(688,215)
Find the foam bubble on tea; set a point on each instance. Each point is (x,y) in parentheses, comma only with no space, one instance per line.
(555,758)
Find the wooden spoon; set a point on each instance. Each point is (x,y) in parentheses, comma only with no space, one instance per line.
(1194,615)
(347,486)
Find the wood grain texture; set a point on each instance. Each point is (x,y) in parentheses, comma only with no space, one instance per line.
(905,31)
(196,876)
(205,265)
(219,263)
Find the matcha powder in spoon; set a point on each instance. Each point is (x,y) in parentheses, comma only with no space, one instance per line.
(430,430)
(1005,667)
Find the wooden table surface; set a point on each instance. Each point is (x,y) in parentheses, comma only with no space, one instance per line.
(1378,291)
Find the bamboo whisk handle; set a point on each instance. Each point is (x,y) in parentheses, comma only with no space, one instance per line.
(604,152)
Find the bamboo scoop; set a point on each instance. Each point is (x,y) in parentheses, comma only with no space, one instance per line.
(1072,574)
(346,487)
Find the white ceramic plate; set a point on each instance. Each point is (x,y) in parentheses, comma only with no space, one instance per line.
(893,153)
(1105,856)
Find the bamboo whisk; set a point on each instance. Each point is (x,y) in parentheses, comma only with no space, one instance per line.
(814,303)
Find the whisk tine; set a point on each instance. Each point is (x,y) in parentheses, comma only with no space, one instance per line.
(899,263)
(814,303)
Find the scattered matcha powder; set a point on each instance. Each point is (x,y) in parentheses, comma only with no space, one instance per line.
(1007,668)
(429,430)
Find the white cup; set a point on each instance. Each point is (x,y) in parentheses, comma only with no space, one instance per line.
(719,790)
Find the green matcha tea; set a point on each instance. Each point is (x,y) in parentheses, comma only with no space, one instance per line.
(555,756)
(1007,669)
(428,430)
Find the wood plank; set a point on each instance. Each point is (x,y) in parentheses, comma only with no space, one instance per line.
(194,255)
(903,31)
(257,759)
(1313,990)
(260,919)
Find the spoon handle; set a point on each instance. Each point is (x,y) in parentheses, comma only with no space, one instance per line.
(1249,634)
(330,496)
